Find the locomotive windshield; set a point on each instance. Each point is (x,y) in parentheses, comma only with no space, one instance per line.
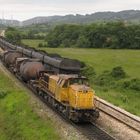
(79,81)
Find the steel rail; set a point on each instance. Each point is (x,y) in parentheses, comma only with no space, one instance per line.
(119,114)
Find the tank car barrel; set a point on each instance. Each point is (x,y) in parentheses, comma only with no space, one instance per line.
(53,61)
(29,69)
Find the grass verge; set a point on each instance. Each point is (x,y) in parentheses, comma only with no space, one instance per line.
(17,119)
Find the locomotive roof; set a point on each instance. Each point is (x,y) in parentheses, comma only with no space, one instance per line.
(71,76)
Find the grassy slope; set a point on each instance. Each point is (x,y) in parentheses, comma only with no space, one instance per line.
(17,119)
(106,59)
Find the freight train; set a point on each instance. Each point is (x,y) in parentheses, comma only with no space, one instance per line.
(53,62)
(70,94)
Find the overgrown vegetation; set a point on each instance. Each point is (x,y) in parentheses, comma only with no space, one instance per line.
(118,81)
(117,88)
(132,84)
(115,79)
(42,45)
(17,118)
(116,35)
(13,35)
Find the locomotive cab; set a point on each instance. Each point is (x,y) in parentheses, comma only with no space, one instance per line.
(76,91)
(80,94)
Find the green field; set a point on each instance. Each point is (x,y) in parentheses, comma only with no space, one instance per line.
(102,60)
(33,43)
(18,121)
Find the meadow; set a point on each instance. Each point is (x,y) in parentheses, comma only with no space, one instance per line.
(105,60)
(17,118)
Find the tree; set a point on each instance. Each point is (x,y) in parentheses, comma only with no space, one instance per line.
(13,35)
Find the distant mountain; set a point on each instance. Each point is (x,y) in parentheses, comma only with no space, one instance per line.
(127,15)
(9,22)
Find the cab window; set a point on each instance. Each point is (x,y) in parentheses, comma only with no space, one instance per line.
(65,84)
(79,81)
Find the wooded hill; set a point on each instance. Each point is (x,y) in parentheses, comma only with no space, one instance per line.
(127,15)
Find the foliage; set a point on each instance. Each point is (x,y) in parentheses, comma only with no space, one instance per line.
(104,79)
(88,71)
(13,35)
(41,45)
(63,34)
(36,31)
(98,35)
(132,84)
(118,72)
(3,94)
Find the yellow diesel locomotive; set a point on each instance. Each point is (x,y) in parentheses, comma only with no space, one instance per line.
(69,94)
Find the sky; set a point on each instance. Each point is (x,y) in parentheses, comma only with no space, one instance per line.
(25,9)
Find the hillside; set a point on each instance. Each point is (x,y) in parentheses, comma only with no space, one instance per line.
(127,15)
(8,22)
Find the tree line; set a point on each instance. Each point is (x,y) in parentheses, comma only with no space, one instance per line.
(116,35)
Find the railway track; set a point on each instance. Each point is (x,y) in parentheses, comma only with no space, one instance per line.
(89,130)
(119,114)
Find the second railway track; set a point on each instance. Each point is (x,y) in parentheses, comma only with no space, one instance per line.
(118,114)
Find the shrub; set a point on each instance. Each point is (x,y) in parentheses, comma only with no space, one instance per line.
(40,45)
(2,94)
(88,71)
(104,79)
(118,72)
(132,84)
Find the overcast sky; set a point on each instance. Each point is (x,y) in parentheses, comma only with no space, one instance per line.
(24,9)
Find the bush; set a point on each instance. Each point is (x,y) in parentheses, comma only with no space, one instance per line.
(132,84)
(40,45)
(104,79)
(118,73)
(88,71)
(13,35)
(2,94)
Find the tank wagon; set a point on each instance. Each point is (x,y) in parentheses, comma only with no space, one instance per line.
(29,69)
(1,53)
(51,61)
(9,57)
